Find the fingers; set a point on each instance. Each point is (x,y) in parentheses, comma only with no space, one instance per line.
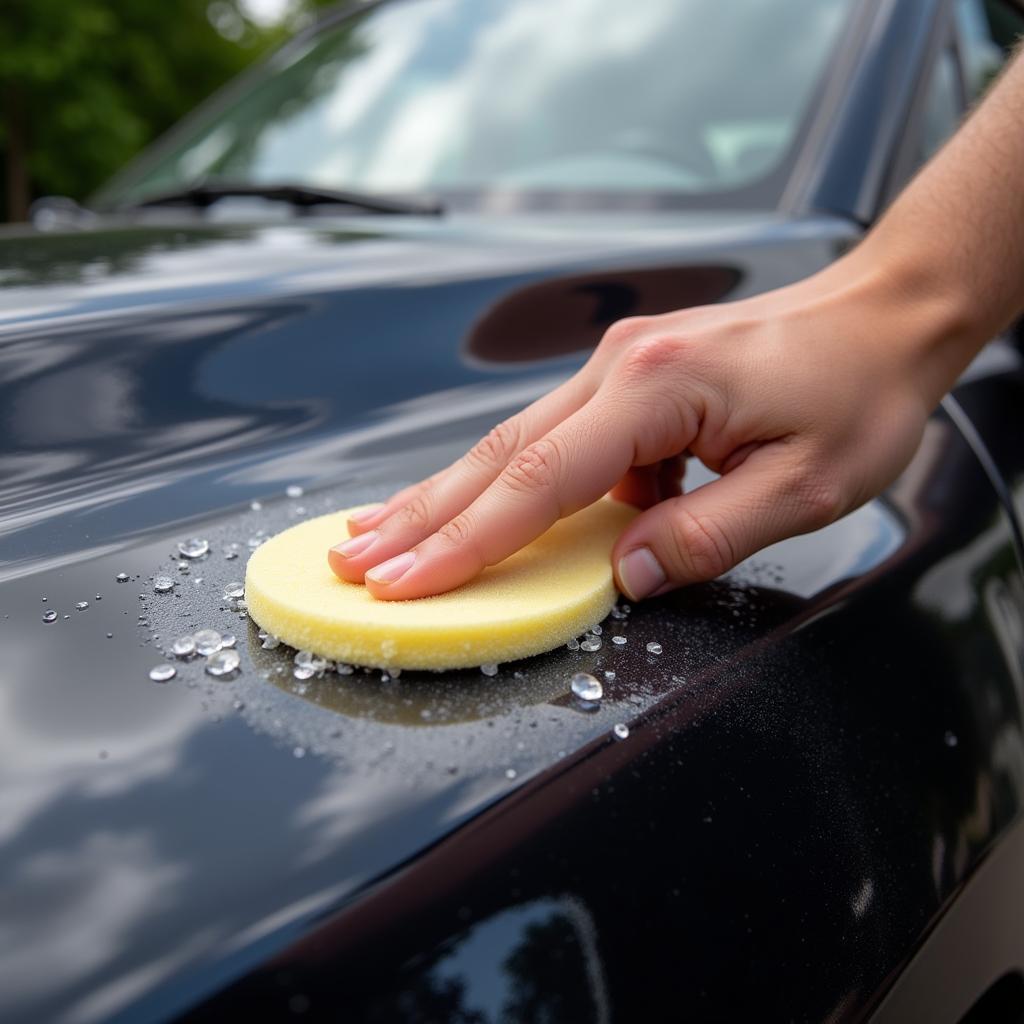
(418,511)
(644,486)
(550,478)
(703,534)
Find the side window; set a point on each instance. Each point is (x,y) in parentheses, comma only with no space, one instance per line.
(988,30)
(942,106)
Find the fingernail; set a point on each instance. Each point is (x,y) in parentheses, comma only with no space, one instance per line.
(357,545)
(640,574)
(393,569)
(366,513)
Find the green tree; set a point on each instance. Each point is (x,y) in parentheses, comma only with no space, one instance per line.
(84,84)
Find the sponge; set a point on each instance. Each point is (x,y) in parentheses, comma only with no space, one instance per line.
(533,601)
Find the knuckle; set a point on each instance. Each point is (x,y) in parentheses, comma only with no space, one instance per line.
(536,467)
(625,331)
(819,497)
(415,514)
(493,451)
(703,551)
(457,531)
(650,356)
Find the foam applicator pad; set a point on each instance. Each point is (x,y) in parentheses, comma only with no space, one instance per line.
(534,601)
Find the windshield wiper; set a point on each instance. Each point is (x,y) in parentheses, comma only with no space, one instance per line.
(302,196)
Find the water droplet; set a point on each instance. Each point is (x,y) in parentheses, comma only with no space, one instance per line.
(610,675)
(99,597)
(256,506)
(618,640)
(122,577)
(343,670)
(620,731)
(228,640)
(183,647)
(586,687)
(162,673)
(308,660)
(654,647)
(573,645)
(183,565)
(269,642)
(67,616)
(82,605)
(50,616)
(299,752)
(233,591)
(194,547)
(303,672)
(221,663)
(619,612)
(163,584)
(950,739)
(489,669)
(596,630)
(510,773)
(256,540)
(294,491)
(592,643)
(208,641)
(45,599)
(110,636)
(238,705)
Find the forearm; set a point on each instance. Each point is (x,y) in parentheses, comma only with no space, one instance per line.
(950,250)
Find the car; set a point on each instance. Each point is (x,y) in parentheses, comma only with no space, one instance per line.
(799,797)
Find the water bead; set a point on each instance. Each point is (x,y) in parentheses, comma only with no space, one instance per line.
(592,643)
(256,506)
(294,491)
(618,640)
(307,659)
(121,577)
(586,687)
(183,647)
(208,641)
(654,647)
(620,731)
(489,669)
(269,642)
(194,547)
(163,584)
(221,663)
(233,591)
(510,773)
(82,605)
(162,673)
(50,616)
(573,645)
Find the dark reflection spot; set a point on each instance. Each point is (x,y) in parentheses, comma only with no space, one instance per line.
(570,314)
(530,964)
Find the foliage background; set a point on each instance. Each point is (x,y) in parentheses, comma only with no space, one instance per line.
(85,84)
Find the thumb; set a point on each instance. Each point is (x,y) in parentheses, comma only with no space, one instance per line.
(704,533)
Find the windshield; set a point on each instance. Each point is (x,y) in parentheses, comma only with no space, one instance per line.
(484,97)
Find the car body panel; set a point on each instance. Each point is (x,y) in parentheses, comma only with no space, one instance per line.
(827,748)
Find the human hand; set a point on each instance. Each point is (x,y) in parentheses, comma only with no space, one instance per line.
(808,401)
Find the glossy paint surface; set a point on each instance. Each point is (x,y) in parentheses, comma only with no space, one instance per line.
(788,796)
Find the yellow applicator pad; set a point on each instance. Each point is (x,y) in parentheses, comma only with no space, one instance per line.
(534,601)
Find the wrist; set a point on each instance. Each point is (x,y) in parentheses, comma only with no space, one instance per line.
(919,310)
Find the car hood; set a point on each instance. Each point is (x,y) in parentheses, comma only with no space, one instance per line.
(165,382)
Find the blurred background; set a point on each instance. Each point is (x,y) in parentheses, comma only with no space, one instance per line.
(85,84)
